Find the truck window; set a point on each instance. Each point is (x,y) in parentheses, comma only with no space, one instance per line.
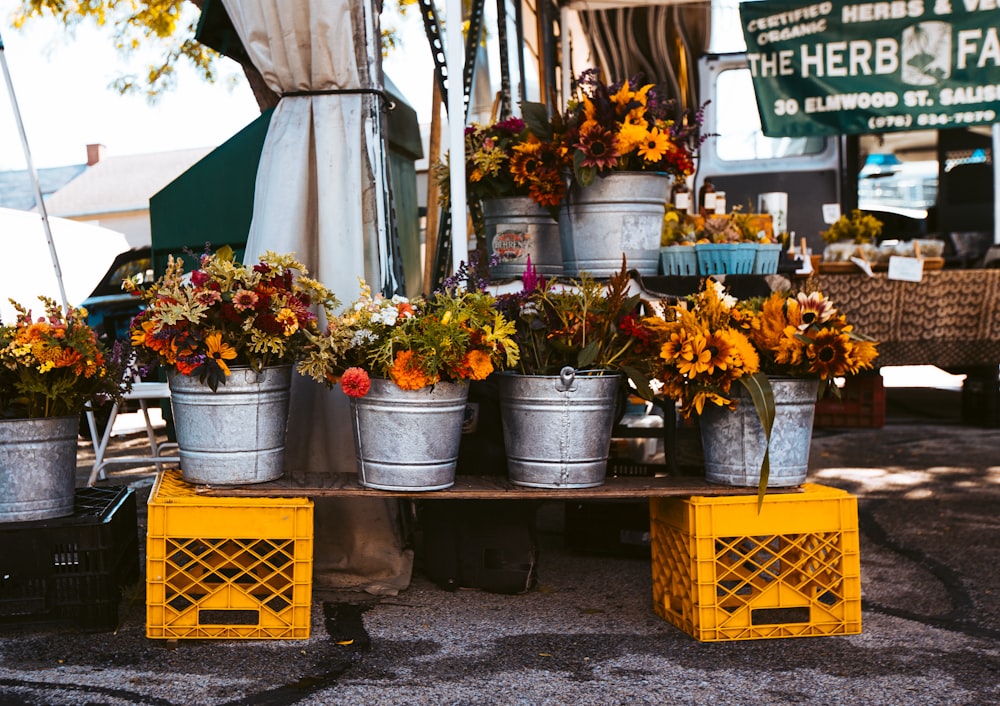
(738,124)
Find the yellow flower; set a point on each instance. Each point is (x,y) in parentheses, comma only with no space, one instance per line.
(863,352)
(219,351)
(289,323)
(654,145)
(631,136)
(828,353)
(478,364)
(695,357)
(622,97)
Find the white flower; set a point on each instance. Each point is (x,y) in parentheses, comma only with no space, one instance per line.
(362,337)
(728,300)
(387,315)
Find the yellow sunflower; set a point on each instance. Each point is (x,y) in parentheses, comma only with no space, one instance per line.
(654,145)
(829,352)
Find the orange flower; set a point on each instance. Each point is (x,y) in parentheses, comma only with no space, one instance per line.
(185,367)
(407,374)
(476,365)
(219,351)
(355,382)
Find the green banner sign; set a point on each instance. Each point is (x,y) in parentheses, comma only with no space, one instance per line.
(847,68)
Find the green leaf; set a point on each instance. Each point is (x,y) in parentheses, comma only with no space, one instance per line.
(762,395)
(584,175)
(536,118)
(642,387)
(225,253)
(587,355)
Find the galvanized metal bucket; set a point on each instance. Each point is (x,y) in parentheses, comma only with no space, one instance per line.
(37,468)
(621,213)
(408,439)
(734,441)
(236,435)
(557,428)
(517,228)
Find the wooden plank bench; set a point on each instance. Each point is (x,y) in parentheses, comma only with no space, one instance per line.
(489,488)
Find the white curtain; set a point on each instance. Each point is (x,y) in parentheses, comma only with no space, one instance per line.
(321,194)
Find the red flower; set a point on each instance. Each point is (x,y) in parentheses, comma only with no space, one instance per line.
(269,324)
(355,382)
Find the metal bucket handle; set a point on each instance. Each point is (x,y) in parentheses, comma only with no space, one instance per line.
(567,380)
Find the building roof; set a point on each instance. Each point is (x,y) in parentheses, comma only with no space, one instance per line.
(17,191)
(121,184)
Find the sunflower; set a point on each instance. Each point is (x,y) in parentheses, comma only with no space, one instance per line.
(828,353)
(695,357)
(863,353)
(526,162)
(548,191)
(720,352)
(814,308)
(631,136)
(598,147)
(654,145)
(676,346)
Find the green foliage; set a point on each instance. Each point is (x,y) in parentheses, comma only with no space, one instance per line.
(585,325)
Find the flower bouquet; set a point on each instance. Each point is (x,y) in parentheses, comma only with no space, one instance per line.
(711,340)
(506,159)
(578,343)
(519,182)
(228,335)
(405,365)
(624,147)
(453,335)
(53,365)
(585,325)
(626,126)
(227,314)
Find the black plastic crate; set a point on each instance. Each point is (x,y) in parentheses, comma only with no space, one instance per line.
(71,569)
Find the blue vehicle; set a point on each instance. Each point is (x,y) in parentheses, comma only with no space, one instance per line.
(110,310)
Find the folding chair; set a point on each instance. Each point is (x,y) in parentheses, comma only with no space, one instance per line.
(142,392)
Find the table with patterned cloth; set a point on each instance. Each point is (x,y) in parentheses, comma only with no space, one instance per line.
(951,319)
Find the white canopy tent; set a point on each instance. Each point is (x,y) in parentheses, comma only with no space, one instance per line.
(85,251)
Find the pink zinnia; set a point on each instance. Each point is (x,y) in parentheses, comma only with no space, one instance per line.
(355,382)
(244,299)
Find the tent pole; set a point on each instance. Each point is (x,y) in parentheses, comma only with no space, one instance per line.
(567,61)
(456,134)
(34,178)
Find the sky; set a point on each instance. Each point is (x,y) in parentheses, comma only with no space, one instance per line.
(61,85)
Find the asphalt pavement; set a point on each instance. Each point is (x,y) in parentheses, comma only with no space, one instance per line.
(928,485)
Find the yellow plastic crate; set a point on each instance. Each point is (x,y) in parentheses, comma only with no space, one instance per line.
(722,572)
(227,568)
